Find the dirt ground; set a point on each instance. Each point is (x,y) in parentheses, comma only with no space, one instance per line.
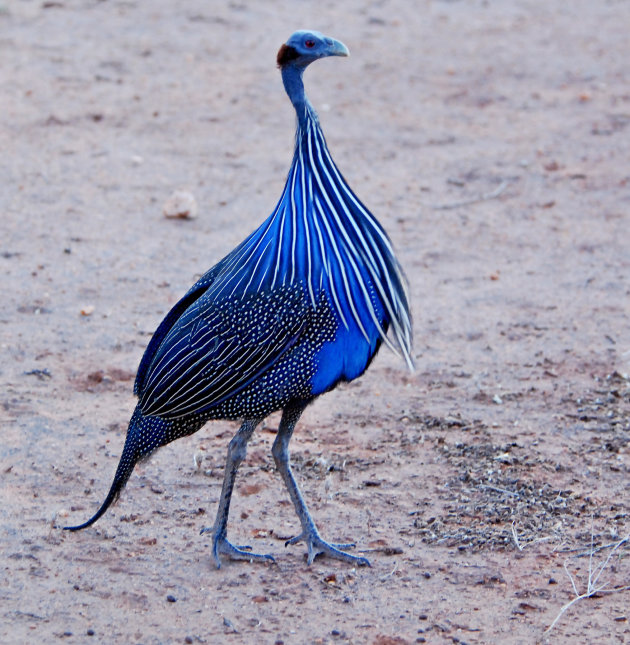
(491,139)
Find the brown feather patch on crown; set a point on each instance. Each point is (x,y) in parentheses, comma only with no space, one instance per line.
(286,54)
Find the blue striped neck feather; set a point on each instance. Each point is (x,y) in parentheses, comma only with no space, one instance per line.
(321,237)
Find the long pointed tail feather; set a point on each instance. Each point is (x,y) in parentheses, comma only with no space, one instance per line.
(135,448)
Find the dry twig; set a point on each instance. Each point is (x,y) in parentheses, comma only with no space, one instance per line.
(473,200)
(391,573)
(517,542)
(592,586)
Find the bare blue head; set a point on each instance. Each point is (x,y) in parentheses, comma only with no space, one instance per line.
(306,46)
(301,49)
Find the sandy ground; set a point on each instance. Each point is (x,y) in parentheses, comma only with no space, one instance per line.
(491,139)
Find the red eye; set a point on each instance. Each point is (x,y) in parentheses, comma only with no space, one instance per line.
(309,43)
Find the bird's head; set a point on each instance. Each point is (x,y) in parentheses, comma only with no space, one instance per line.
(305,46)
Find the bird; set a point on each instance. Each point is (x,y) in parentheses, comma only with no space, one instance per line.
(302,304)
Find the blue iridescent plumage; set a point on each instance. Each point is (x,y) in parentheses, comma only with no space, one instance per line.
(303,303)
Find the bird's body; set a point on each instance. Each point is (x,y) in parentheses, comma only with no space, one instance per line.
(300,305)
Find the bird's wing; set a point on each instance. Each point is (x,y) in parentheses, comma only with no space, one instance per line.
(195,292)
(170,321)
(216,348)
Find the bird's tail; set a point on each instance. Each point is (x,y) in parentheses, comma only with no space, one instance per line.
(143,437)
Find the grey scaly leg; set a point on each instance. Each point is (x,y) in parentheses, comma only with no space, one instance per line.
(237,449)
(280,450)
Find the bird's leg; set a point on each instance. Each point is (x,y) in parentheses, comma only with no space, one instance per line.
(280,450)
(237,450)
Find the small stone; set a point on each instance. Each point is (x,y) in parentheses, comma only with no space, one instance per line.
(90,632)
(260,599)
(230,625)
(180,205)
(171,598)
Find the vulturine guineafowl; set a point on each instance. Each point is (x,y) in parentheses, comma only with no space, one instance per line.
(301,305)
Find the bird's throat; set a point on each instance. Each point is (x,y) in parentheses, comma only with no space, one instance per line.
(294,86)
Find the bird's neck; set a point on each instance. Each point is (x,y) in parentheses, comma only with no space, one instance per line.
(294,86)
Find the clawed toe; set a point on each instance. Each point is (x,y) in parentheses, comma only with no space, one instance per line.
(317,546)
(221,546)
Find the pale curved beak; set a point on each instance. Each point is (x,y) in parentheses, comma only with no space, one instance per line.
(337,48)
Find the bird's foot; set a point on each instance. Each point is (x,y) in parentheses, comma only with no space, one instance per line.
(317,546)
(221,546)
